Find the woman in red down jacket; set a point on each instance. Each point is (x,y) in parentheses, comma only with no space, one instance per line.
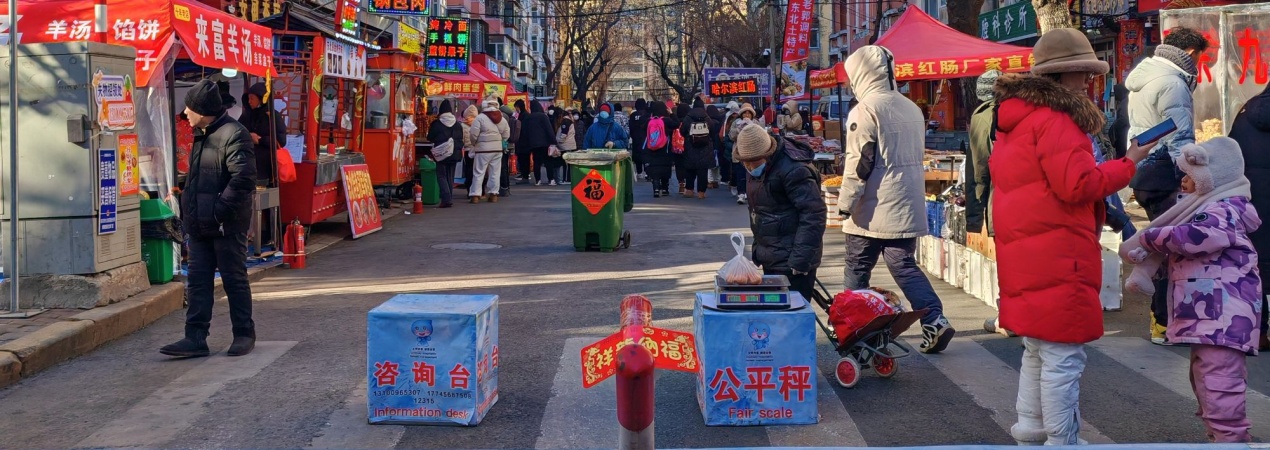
(1048,211)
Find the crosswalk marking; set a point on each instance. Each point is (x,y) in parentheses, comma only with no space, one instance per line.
(577,417)
(1172,371)
(167,412)
(347,427)
(835,428)
(992,383)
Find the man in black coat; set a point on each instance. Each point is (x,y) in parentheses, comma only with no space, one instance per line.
(537,134)
(267,129)
(216,214)
(787,211)
(699,155)
(639,132)
(1251,129)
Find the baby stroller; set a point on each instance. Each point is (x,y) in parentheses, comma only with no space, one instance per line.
(875,344)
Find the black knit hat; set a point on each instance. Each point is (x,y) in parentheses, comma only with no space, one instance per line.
(205,99)
(445,107)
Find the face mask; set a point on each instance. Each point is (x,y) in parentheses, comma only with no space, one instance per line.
(758,171)
(604,114)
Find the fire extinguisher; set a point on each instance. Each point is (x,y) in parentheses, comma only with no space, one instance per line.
(418,199)
(293,245)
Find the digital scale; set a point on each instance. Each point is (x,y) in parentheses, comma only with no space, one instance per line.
(772,293)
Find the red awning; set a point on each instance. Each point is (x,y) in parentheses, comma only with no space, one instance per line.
(214,39)
(956,55)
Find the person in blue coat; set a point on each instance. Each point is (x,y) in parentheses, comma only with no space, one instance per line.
(605,132)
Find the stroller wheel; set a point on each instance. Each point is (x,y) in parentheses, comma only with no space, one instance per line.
(847,372)
(886,367)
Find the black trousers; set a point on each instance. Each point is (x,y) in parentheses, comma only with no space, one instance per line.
(505,177)
(228,255)
(540,162)
(805,284)
(738,176)
(467,170)
(659,175)
(524,164)
(725,167)
(445,181)
(696,179)
(1156,203)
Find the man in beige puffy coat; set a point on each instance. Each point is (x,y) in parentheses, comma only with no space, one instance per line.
(883,197)
(488,131)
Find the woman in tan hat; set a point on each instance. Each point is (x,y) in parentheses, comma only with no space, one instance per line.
(1048,209)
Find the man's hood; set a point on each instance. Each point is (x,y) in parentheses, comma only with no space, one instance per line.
(495,116)
(447,119)
(535,107)
(1151,69)
(796,151)
(1037,92)
(698,114)
(871,69)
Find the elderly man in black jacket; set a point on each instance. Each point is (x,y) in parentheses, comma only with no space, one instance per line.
(215,213)
(787,212)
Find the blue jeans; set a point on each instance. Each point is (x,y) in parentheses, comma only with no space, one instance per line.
(862,255)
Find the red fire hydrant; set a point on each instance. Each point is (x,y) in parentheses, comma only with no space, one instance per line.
(418,199)
(293,245)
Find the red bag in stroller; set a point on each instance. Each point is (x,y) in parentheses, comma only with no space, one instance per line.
(853,310)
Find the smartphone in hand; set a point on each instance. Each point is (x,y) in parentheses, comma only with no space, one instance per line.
(1156,133)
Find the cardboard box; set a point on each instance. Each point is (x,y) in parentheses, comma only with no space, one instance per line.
(432,359)
(757,367)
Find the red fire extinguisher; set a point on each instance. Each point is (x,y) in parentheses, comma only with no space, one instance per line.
(418,199)
(293,245)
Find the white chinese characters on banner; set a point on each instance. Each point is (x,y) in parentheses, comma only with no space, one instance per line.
(218,39)
(201,35)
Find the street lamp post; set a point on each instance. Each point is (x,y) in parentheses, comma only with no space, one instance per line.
(11,271)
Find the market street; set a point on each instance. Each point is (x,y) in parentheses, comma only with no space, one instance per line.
(305,385)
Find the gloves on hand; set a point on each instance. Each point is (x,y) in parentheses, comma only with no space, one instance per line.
(608,144)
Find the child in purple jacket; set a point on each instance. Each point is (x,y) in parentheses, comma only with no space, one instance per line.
(1214,286)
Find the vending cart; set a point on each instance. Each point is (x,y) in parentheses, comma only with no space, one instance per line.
(392,95)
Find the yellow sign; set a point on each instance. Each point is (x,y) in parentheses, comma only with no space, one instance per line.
(496,90)
(181,12)
(408,39)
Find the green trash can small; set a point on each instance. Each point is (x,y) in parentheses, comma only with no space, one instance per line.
(603,182)
(157,248)
(428,179)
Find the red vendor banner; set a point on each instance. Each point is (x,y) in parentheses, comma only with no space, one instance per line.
(797,30)
(214,39)
(359,195)
(827,78)
(1130,43)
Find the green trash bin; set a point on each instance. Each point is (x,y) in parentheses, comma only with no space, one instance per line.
(157,248)
(603,182)
(428,178)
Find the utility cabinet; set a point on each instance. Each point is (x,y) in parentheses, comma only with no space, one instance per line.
(76,100)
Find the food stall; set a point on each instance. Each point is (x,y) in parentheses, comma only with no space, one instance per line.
(1234,69)
(394,79)
(321,83)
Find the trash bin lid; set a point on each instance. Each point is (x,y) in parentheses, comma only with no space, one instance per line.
(596,157)
(155,209)
(426,164)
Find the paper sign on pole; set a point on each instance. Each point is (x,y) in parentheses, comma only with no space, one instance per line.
(129,174)
(107,190)
(359,195)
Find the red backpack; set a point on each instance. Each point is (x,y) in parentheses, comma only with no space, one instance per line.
(677,143)
(656,139)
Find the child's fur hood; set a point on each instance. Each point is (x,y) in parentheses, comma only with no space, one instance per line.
(1044,92)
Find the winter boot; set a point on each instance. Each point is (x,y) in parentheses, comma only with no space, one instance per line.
(244,342)
(186,348)
(1029,434)
(493,198)
(1158,333)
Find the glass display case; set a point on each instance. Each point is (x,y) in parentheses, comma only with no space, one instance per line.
(1234,68)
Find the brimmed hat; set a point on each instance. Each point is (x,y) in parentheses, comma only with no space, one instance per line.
(1066,50)
(753,143)
(1212,164)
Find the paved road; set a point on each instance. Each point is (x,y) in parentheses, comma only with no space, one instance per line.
(304,385)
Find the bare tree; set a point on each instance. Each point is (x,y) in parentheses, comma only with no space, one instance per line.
(583,28)
(1051,14)
(674,43)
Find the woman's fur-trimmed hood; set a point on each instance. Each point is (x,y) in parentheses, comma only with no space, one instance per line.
(1042,92)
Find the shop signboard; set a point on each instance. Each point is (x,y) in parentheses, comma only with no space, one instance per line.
(671,350)
(113,96)
(736,87)
(1009,24)
(793,75)
(1130,44)
(757,367)
(343,60)
(828,78)
(398,7)
(359,196)
(107,191)
(762,76)
(129,175)
(346,21)
(496,90)
(408,39)
(448,46)
(594,192)
(432,359)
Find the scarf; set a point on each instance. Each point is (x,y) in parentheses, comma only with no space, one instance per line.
(1140,279)
(1182,60)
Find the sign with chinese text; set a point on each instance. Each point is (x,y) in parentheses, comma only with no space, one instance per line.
(107,191)
(399,7)
(594,192)
(447,46)
(672,350)
(359,196)
(1130,44)
(432,359)
(726,88)
(408,39)
(1011,23)
(797,30)
(469,90)
(827,78)
(129,173)
(343,60)
(762,76)
(152,26)
(1236,66)
(497,90)
(113,96)
(757,367)
(346,21)
(959,68)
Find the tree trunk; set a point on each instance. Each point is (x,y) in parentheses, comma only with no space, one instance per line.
(877,22)
(1051,14)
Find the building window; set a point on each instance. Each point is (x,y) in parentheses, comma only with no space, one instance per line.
(815,33)
(496,50)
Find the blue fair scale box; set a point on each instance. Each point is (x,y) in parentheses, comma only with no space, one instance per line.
(758,367)
(432,359)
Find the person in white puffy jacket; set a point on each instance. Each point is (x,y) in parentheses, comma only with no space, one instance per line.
(488,131)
